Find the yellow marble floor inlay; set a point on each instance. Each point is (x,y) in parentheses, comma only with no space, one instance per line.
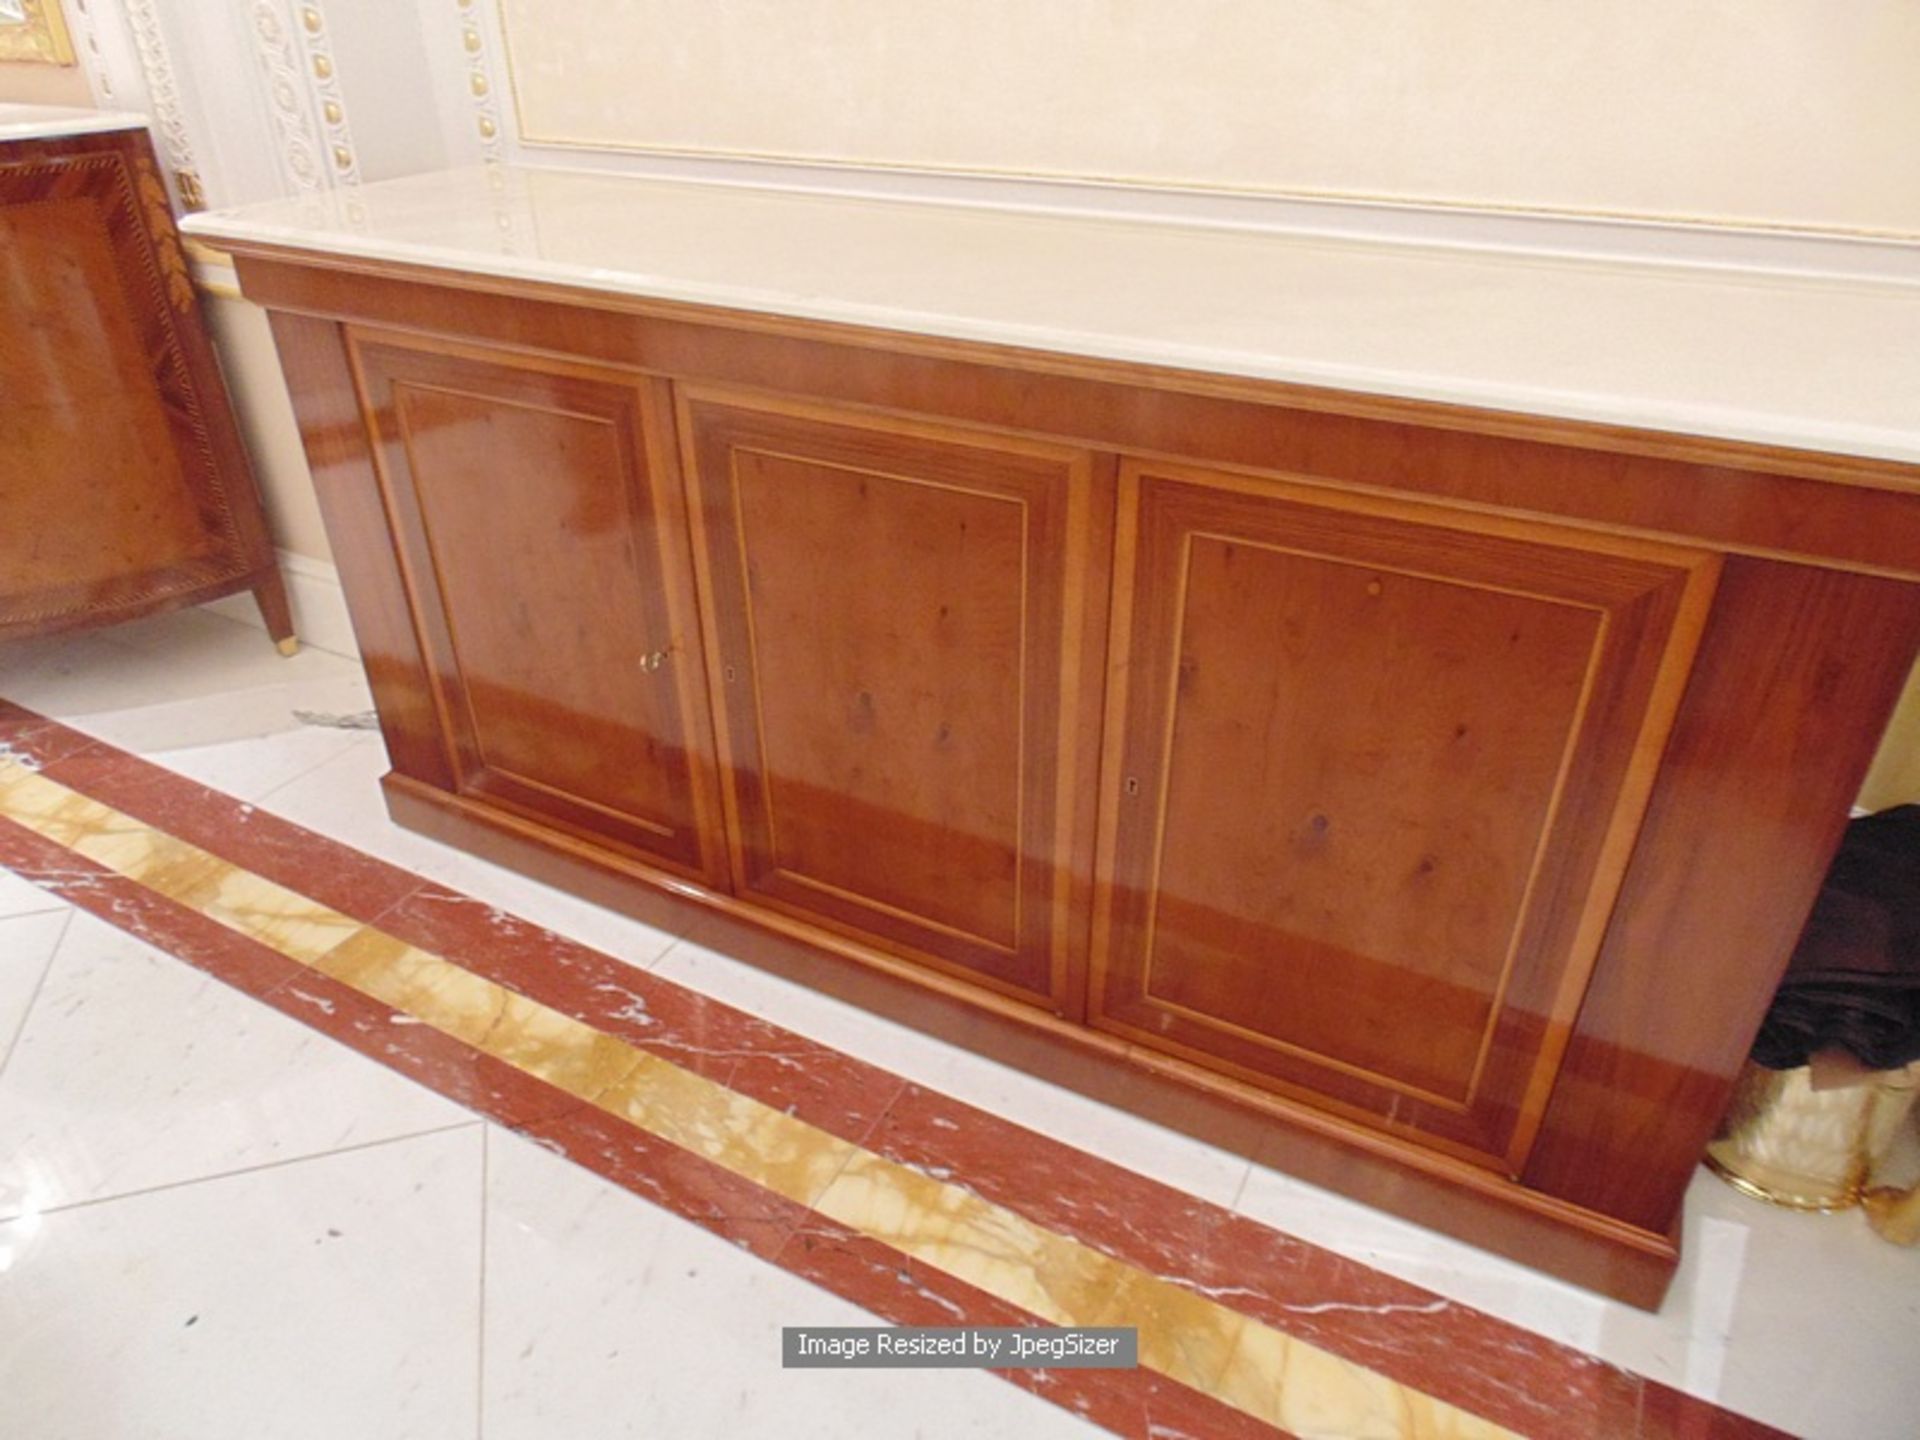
(1183,1335)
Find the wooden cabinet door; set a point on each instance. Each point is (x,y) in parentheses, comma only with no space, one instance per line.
(905,691)
(1374,770)
(543,541)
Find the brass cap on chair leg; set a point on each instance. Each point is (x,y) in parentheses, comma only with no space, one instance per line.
(290,645)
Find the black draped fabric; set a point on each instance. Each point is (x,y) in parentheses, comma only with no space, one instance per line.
(1854,981)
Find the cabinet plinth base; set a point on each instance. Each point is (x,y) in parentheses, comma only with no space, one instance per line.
(1583,1248)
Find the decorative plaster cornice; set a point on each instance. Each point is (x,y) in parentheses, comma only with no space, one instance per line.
(323,84)
(475,21)
(81,22)
(163,96)
(298,146)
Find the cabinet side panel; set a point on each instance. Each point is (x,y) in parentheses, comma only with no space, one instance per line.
(84,437)
(1796,674)
(313,356)
(119,460)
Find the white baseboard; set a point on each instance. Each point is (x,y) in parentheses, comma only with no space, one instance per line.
(319,605)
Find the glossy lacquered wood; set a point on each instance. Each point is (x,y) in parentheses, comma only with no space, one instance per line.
(122,478)
(899,616)
(1502,988)
(545,560)
(1372,778)
(1859,514)
(1796,673)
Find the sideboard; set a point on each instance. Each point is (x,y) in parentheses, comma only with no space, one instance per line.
(1108,644)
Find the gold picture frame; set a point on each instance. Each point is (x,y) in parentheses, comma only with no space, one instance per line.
(34,31)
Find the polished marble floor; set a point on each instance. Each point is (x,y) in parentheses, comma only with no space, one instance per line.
(267,1177)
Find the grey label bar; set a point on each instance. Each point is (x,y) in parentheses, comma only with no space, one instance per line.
(959,1347)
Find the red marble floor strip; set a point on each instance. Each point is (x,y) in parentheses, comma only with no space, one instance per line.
(1139,1404)
(758,1220)
(1469,1359)
(438,1061)
(449,1067)
(825,1087)
(37,739)
(338,876)
(1665,1411)
(1511,1376)
(247,965)
(822,1086)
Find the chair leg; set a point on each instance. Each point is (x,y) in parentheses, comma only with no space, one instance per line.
(271,595)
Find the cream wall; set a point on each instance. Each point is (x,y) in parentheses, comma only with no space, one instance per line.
(1895,777)
(44,84)
(1797,113)
(245,345)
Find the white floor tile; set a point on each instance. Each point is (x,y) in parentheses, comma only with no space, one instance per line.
(341,799)
(197,693)
(1418,1255)
(135,1070)
(61,674)
(1177,1160)
(250,766)
(608,1317)
(331,1298)
(1807,1321)
(1750,1322)
(23,897)
(196,651)
(185,656)
(26,949)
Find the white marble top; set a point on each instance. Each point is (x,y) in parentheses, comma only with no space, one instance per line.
(1823,364)
(44,122)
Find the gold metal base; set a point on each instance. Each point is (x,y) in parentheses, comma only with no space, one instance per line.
(1786,1143)
(290,646)
(1894,1214)
(1786,1199)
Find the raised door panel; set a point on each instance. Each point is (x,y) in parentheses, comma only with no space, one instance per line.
(1374,778)
(544,548)
(900,619)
